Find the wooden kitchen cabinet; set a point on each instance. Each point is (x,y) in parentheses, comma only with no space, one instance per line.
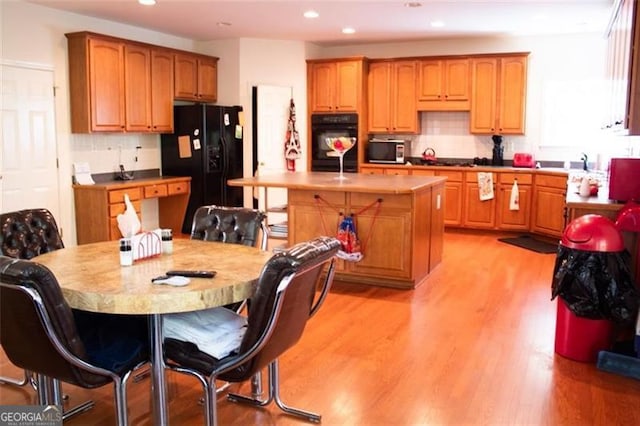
(119,86)
(196,77)
(516,220)
(479,214)
(98,206)
(498,94)
(96,83)
(453,196)
(336,85)
(548,214)
(148,94)
(391,97)
(443,85)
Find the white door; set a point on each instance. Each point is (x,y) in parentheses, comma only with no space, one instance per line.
(272,120)
(28,158)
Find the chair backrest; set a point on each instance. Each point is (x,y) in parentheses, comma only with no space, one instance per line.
(237,225)
(35,320)
(284,301)
(25,234)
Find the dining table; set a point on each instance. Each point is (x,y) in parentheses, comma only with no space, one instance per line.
(92,279)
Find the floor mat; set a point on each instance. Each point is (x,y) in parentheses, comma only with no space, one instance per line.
(530,243)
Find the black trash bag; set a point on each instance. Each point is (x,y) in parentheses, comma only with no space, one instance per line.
(596,285)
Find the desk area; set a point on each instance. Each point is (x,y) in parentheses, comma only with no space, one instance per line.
(97,206)
(92,279)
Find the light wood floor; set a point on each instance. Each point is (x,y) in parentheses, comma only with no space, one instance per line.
(472,346)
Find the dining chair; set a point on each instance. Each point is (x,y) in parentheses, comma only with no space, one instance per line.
(237,225)
(286,297)
(55,349)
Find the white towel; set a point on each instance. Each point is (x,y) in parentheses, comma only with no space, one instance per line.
(485,184)
(216,331)
(514,203)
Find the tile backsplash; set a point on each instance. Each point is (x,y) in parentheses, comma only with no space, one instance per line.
(448,134)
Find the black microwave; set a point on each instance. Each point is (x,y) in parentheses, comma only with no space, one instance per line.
(395,151)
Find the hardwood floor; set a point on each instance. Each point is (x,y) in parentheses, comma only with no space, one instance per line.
(474,345)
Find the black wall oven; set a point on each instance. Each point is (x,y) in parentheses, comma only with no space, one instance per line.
(330,126)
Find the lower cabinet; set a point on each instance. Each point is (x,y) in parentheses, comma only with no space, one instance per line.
(478,214)
(510,219)
(549,205)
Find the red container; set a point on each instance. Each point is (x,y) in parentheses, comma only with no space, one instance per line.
(580,339)
(624,179)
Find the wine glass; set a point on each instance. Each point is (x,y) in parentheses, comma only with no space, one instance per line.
(339,146)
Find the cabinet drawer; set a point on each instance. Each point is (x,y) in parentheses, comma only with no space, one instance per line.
(118,208)
(559,182)
(397,172)
(178,188)
(371,171)
(154,191)
(337,199)
(523,179)
(359,200)
(117,196)
(473,177)
(452,176)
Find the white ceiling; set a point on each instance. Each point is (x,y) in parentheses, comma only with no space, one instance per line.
(373,20)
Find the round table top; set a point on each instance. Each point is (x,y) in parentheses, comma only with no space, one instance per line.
(92,279)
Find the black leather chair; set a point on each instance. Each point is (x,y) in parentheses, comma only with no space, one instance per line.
(285,299)
(25,234)
(39,333)
(237,225)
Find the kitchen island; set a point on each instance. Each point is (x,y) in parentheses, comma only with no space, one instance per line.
(399,220)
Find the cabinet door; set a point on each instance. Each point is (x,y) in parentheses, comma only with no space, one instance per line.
(456,80)
(403,88)
(137,71)
(453,203)
(548,212)
(371,171)
(322,76)
(186,77)
(106,69)
(513,83)
(484,72)
(478,213)
(514,219)
(162,91)
(348,76)
(207,80)
(430,80)
(379,97)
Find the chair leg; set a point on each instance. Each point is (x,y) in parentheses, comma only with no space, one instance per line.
(16,382)
(275,385)
(57,397)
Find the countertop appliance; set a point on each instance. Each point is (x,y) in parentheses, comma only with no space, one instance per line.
(394,151)
(521,159)
(206,145)
(325,126)
(624,179)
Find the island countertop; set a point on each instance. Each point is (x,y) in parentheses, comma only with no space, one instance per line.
(354,182)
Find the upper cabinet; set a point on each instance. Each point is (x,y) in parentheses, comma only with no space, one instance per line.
(336,85)
(443,85)
(498,94)
(196,77)
(118,85)
(391,97)
(96,80)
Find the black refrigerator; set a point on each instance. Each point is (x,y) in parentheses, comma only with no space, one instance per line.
(206,145)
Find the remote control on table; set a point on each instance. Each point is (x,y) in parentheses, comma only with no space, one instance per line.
(194,274)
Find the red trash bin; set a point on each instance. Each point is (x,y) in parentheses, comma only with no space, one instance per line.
(580,338)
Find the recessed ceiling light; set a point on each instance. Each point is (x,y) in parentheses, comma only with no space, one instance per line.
(437,24)
(147,2)
(348,30)
(413,4)
(311,14)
